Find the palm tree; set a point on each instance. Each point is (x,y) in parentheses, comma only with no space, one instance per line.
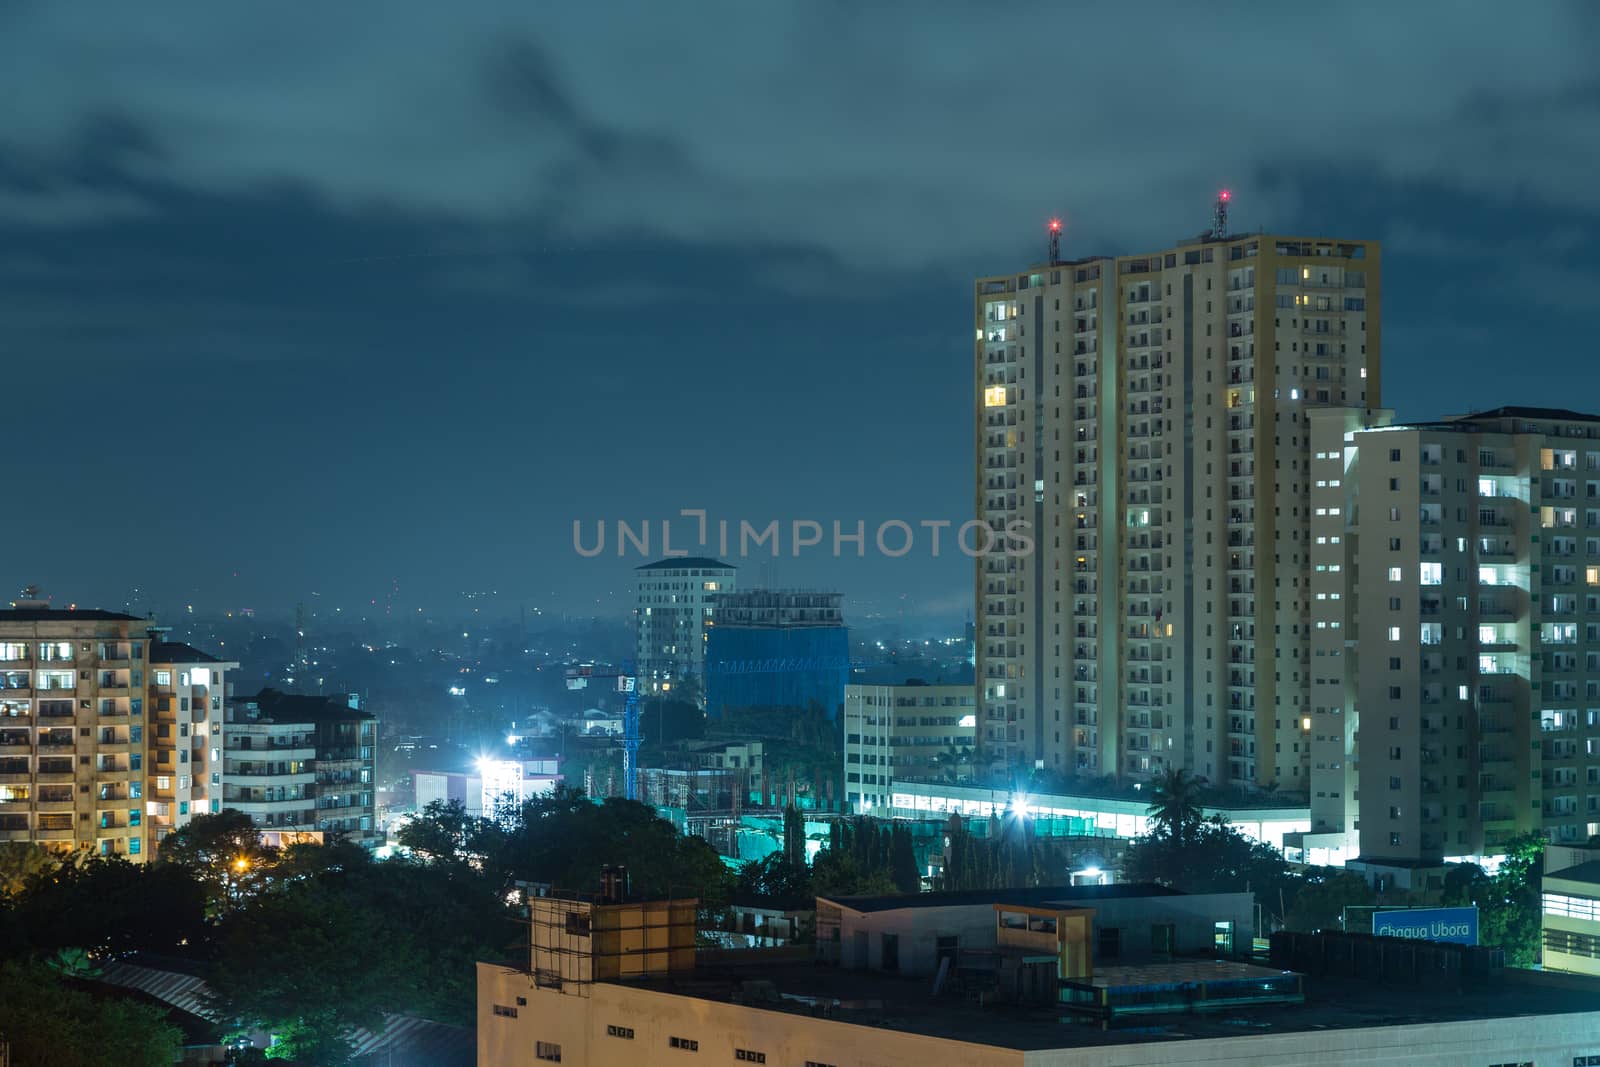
(1175,806)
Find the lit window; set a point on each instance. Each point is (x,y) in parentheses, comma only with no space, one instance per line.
(994,396)
(1395,574)
(1394,633)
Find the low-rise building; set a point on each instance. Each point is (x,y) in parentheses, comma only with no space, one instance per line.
(1571,919)
(1269,819)
(911,729)
(300,763)
(619,986)
(912,934)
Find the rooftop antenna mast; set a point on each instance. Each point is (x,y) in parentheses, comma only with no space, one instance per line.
(1219,216)
(1055,242)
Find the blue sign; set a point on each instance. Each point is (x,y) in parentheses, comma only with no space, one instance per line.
(1458,925)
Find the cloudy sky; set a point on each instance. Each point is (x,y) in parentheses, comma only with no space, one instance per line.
(389,293)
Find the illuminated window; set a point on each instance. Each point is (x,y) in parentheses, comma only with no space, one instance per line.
(994,396)
(1432,573)
(1395,574)
(1394,633)
(1592,575)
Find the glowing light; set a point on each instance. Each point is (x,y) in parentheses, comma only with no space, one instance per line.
(1224,196)
(241,864)
(1055,225)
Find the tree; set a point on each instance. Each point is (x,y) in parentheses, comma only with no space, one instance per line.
(107,906)
(441,832)
(1175,806)
(903,861)
(225,852)
(564,839)
(794,836)
(21,861)
(48,1024)
(1509,902)
(777,878)
(1320,902)
(1212,858)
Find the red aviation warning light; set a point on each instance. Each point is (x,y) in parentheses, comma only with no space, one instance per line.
(1055,241)
(1055,225)
(1219,216)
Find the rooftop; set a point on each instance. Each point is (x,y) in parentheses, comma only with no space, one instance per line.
(905,1004)
(698,562)
(1036,896)
(1583,872)
(64,615)
(178,652)
(295,707)
(1514,412)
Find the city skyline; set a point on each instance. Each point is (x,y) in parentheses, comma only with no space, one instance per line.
(380,351)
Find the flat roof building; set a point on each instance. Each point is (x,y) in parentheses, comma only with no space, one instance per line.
(772,1007)
(301,763)
(911,729)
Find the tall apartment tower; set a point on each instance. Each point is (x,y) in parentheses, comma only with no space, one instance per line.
(674,607)
(1148,417)
(1474,665)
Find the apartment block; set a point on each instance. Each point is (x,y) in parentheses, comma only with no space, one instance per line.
(73,742)
(302,764)
(675,603)
(1475,544)
(1146,420)
(187,687)
(911,730)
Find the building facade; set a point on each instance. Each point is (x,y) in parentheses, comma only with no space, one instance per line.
(1466,705)
(1570,919)
(74,745)
(912,729)
(187,689)
(776,649)
(1145,418)
(675,601)
(301,763)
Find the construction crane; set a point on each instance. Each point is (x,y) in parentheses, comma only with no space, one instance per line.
(579,676)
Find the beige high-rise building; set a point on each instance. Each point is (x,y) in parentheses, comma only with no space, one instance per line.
(73,741)
(1465,706)
(1148,417)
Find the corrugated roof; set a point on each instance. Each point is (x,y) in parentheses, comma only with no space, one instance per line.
(404,1039)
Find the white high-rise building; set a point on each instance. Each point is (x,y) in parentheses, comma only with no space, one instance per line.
(675,602)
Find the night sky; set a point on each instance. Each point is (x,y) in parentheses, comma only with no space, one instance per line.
(322,301)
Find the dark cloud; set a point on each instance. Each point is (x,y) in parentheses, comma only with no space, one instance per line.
(413,290)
